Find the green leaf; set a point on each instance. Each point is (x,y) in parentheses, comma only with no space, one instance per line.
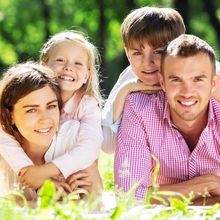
(46,194)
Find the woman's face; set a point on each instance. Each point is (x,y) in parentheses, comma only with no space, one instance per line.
(36,117)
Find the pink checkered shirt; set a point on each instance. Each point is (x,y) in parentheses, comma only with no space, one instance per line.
(146,130)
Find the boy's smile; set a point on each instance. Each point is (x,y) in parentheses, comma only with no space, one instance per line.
(145,62)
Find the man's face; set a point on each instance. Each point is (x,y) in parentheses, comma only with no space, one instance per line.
(188,83)
(145,62)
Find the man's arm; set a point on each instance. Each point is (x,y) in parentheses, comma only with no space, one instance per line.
(132,156)
(201,185)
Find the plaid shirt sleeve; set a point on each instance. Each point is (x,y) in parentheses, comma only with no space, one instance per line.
(132,156)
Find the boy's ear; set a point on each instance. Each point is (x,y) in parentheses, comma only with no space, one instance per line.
(127,54)
(161,80)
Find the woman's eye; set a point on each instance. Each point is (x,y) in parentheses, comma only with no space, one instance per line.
(32,110)
(52,106)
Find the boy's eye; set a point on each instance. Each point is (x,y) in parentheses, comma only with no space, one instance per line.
(137,53)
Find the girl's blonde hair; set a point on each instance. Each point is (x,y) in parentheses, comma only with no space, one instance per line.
(91,87)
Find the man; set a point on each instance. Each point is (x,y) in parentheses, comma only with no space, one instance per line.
(181,128)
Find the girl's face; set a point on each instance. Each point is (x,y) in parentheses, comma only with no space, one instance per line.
(36,117)
(69,61)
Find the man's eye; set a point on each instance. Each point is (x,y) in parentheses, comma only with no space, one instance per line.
(158,51)
(198,79)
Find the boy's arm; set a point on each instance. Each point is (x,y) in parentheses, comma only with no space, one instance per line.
(108,126)
(13,153)
(86,149)
(127,88)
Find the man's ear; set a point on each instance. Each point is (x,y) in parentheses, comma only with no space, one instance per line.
(43,63)
(216,87)
(161,80)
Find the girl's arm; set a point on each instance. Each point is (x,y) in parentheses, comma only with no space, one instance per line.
(86,149)
(13,153)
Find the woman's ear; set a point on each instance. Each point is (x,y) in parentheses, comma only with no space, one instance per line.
(11,117)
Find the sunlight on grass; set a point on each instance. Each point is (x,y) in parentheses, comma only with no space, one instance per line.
(106,170)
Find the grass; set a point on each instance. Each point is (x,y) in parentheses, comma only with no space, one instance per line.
(50,207)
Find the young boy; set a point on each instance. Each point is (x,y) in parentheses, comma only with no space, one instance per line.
(145,33)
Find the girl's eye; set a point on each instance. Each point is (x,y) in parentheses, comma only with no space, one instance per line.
(60,60)
(78,63)
(32,110)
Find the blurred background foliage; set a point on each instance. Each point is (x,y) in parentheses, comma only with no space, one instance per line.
(25,25)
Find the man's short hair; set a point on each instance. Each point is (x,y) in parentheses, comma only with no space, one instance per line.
(187,45)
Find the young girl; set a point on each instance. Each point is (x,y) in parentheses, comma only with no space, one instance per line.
(34,121)
(75,61)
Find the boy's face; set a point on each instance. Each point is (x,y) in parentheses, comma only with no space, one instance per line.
(36,116)
(188,83)
(70,62)
(145,62)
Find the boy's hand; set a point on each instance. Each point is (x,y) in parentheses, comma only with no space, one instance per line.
(79,179)
(137,85)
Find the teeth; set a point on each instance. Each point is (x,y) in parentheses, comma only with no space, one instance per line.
(69,78)
(188,103)
(43,130)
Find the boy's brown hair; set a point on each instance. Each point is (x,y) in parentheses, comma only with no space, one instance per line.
(157,26)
